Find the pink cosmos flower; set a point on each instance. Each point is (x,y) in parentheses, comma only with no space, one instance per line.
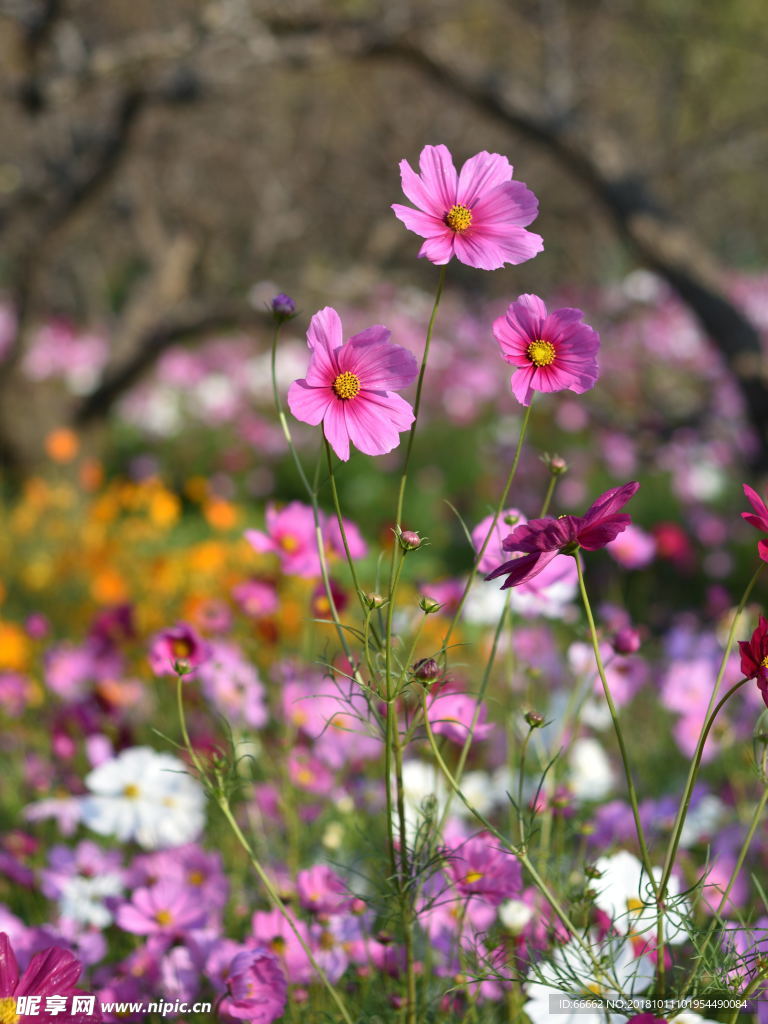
(290,534)
(166,908)
(451,714)
(479,867)
(52,972)
(322,891)
(257,987)
(541,540)
(180,643)
(552,351)
(754,657)
(759,520)
(350,388)
(479,215)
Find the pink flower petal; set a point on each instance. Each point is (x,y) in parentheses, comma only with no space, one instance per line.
(480,174)
(335,429)
(425,224)
(512,203)
(325,330)
(380,367)
(309,404)
(439,249)
(418,193)
(439,176)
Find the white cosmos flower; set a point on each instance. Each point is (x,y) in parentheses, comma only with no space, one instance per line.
(147,796)
(591,776)
(625,893)
(572,971)
(82,899)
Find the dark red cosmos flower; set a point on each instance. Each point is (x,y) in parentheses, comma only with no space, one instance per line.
(52,973)
(758,519)
(540,540)
(754,657)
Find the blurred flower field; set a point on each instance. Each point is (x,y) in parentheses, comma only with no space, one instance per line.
(286,752)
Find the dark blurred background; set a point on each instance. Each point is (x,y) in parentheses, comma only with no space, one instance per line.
(159,159)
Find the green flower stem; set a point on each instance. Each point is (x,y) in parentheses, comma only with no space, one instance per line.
(553,478)
(518,851)
(459,771)
(645,856)
(499,509)
(274,896)
(521,775)
(708,718)
(756,819)
(417,401)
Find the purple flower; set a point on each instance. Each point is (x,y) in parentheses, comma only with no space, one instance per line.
(480,868)
(257,987)
(479,216)
(166,908)
(541,540)
(322,891)
(350,388)
(552,351)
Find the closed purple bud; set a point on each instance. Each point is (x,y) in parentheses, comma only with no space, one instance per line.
(283,307)
(410,540)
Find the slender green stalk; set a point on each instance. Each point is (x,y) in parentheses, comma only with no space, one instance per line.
(645,856)
(274,896)
(499,508)
(419,387)
(756,819)
(459,770)
(553,478)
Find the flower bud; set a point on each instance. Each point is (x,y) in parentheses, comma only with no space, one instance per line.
(410,540)
(426,671)
(556,464)
(626,641)
(429,605)
(591,871)
(374,600)
(182,667)
(283,308)
(534,719)
(511,518)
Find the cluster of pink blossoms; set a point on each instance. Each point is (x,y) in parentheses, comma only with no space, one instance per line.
(479,216)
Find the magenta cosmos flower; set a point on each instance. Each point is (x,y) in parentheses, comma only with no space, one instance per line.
(256,987)
(552,351)
(758,519)
(350,388)
(29,997)
(754,657)
(539,541)
(479,216)
(175,645)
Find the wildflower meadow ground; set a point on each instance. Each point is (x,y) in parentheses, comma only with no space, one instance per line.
(395,665)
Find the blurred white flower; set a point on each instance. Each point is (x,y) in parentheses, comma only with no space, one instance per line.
(625,894)
(145,796)
(591,776)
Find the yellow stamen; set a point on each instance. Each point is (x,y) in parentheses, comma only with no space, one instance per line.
(277,945)
(163,917)
(181,648)
(347,385)
(764,662)
(541,353)
(289,543)
(196,878)
(473,876)
(459,218)
(634,904)
(131,791)
(8,1013)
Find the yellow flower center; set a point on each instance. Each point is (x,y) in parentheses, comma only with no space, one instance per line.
(634,904)
(347,385)
(764,662)
(8,1013)
(277,945)
(181,648)
(196,878)
(163,917)
(541,353)
(289,543)
(473,876)
(131,791)
(459,218)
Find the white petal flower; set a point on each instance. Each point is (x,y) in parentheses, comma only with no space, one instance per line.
(625,893)
(145,796)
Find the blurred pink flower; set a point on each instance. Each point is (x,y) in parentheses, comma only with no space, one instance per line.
(451,714)
(179,644)
(541,540)
(350,388)
(256,986)
(167,908)
(634,548)
(551,351)
(290,534)
(479,216)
